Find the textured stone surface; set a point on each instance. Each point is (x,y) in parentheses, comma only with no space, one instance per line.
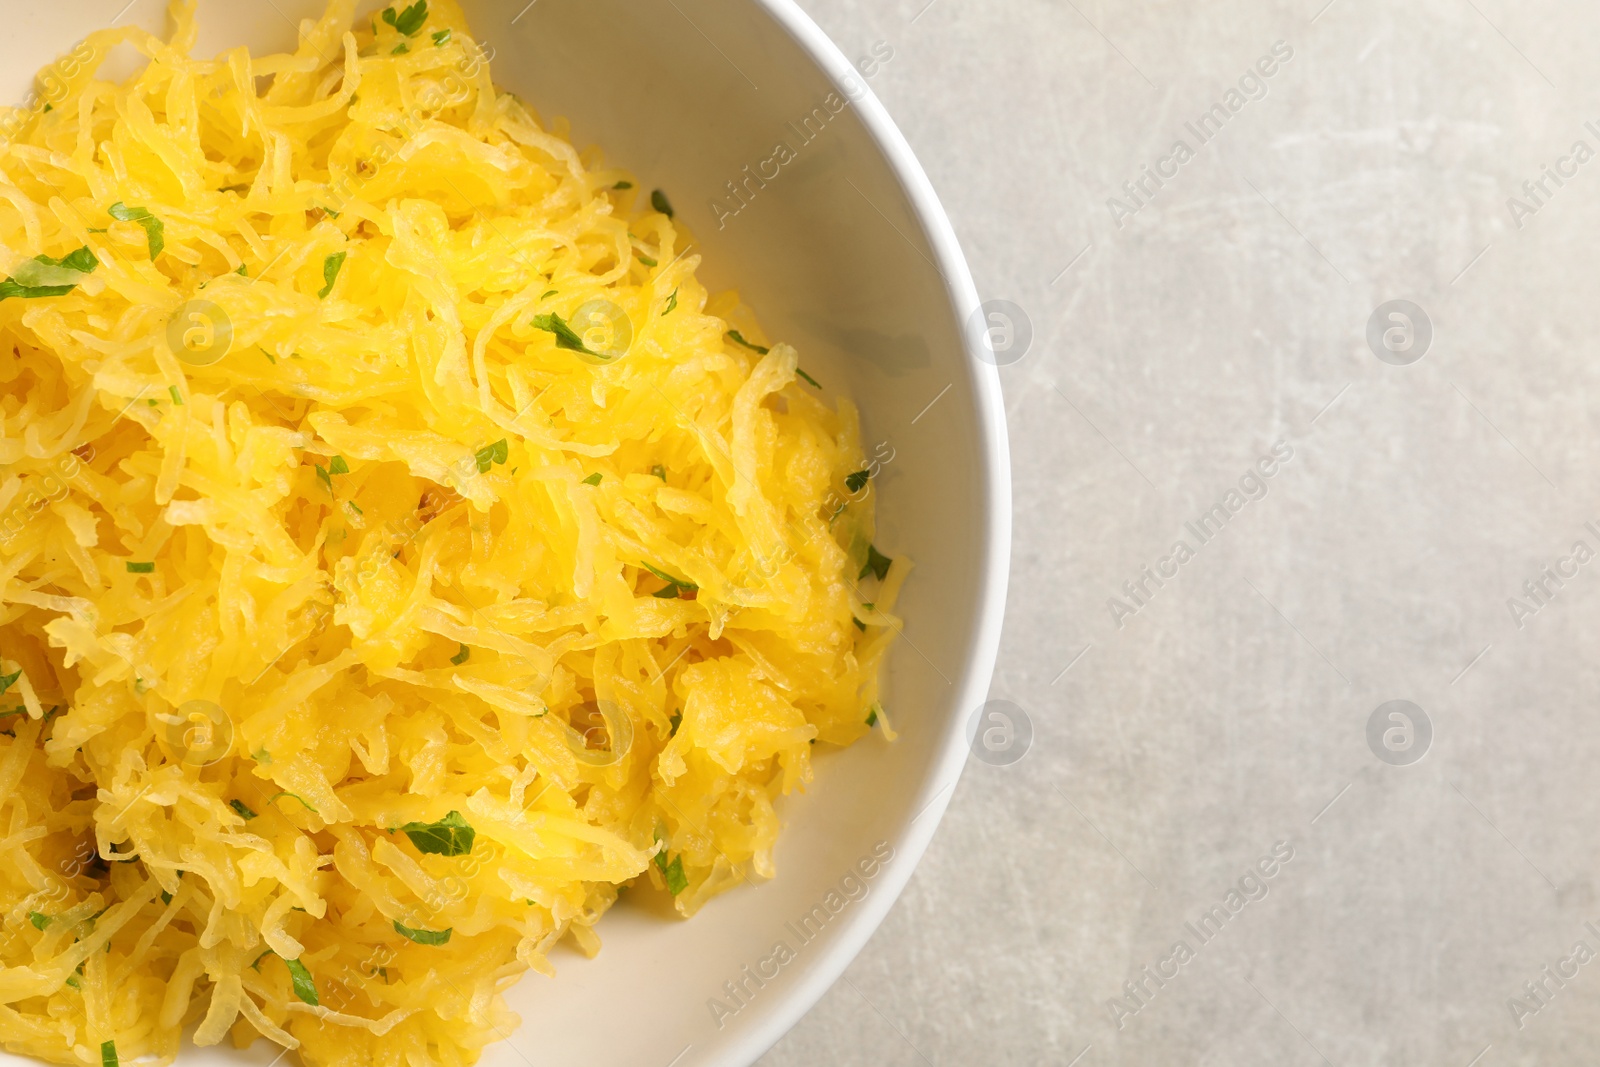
(1230,712)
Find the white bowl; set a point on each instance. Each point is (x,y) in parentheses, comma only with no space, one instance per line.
(847,255)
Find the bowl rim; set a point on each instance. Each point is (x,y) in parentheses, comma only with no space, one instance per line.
(993,563)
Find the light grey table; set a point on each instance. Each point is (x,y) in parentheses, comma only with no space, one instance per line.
(1178,337)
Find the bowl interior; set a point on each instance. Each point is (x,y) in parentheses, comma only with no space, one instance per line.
(799,193)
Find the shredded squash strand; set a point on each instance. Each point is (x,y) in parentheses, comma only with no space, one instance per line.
(400,551)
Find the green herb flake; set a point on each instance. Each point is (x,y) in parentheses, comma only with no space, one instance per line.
(324,477)
(857,481)
(262,756)
(255,964)
(877,563)
(72,980)
(593,479)
(659,471)
(330,273)
(565,336)
(738,338)
(51,277)
(244,812)
(646,260)
(498,452)
(675,722)
(872,716)
(623,185)
(461,657)
(141,568)
(812,381)
(304,987)
(108,1054)
(177,399)
(441,37)
(425,937)
(154,229)
(166,897)
(450,836)
(676,587)
(659,201)
(337,465)
(39,919)
(672,873)
(672,304)
(859,624)
(8,680)
(400,49)
(293,796)
(243,271)
(410,19)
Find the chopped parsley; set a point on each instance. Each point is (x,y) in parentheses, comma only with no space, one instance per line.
(337,465)
(294,796)
(738,338)
(461,657)
(593,479)
(141,568)
(8,680)
(672,303)
(675,722)
(872,715)
(304,987)
(646,260)
(330,272)
(857,481)
(261,756)
(623,185)
(659,201)
(450,836)
(409,20)
(441,37)
(39,919)
(400,49)
(659,471)
(425,937)
(676,587)
(244,812)
(672,873)
(44,276)
(814,383)
(859,624)
(108,1054)
(877,563)
(243,271)
(498,452)
(154,230)
(255,965)
(566,337)
(177,400)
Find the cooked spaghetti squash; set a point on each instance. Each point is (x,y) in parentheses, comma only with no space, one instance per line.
(401,552)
